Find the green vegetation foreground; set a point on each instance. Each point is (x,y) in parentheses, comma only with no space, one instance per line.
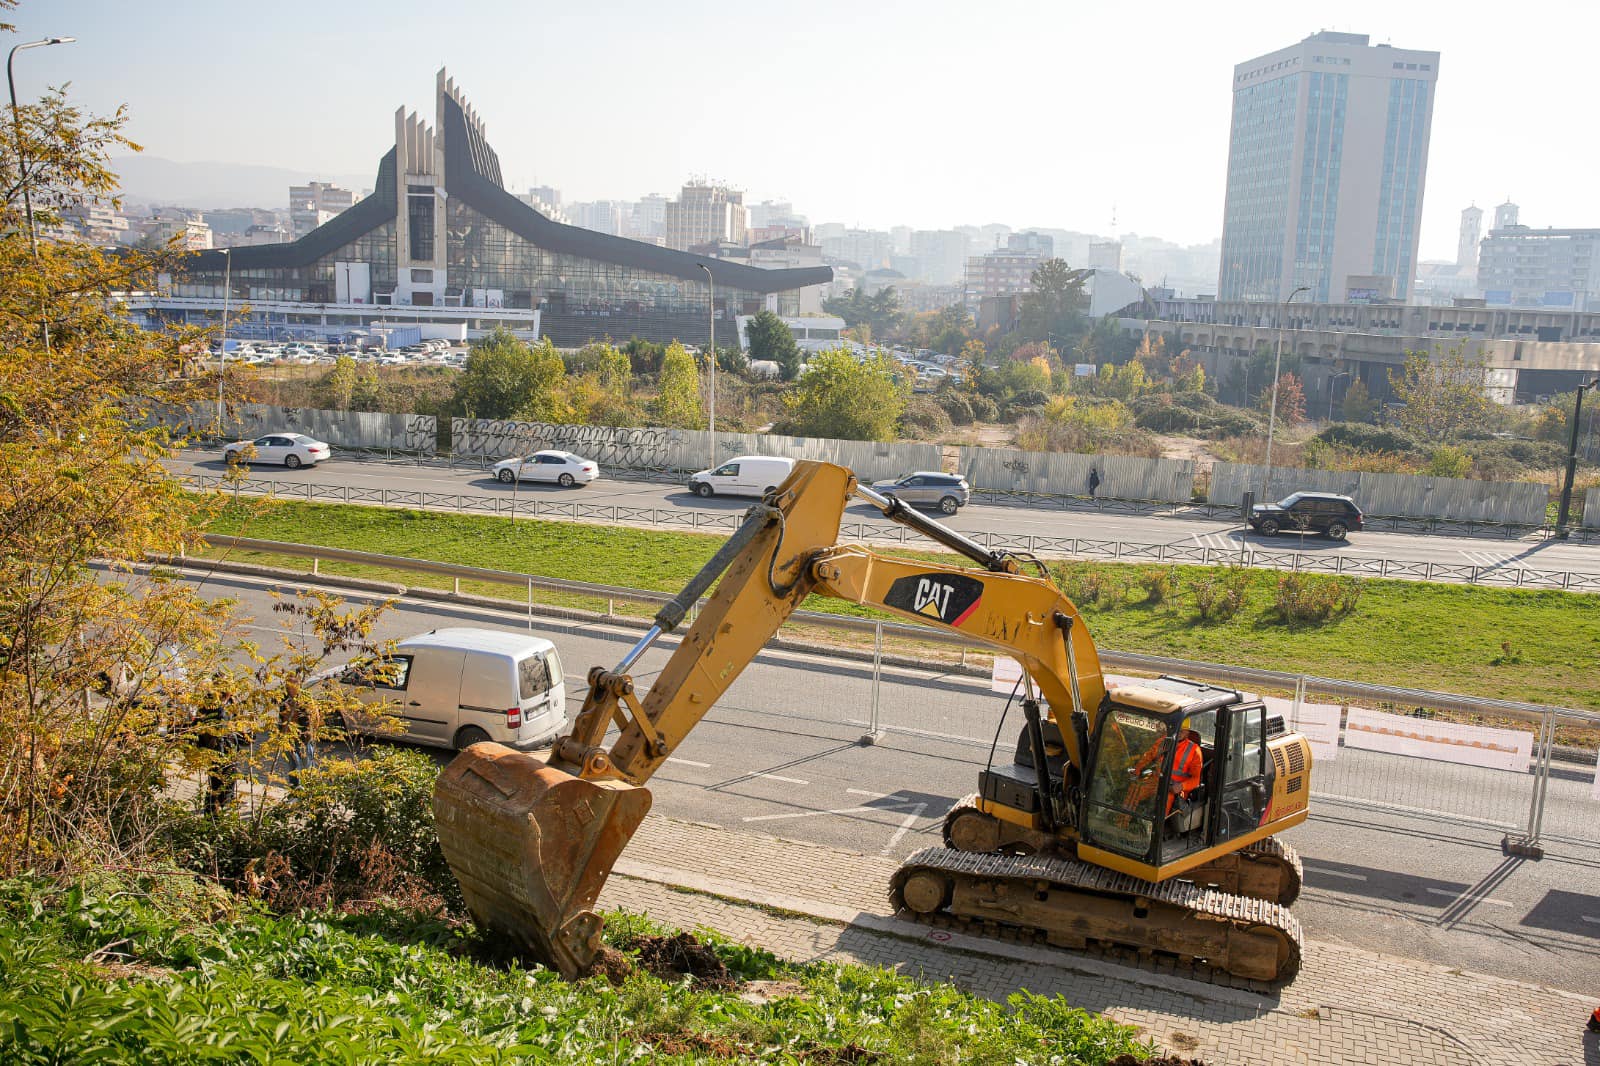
(172,970)
(1533,646)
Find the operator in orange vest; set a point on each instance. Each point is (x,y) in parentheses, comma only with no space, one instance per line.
(1187,766)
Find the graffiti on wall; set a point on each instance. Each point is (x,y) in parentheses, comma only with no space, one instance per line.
(422,434)
(636,448)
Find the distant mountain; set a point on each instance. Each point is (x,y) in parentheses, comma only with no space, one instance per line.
(151,180)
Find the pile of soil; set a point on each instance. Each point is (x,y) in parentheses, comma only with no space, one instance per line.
(1159,1060)
(670,957)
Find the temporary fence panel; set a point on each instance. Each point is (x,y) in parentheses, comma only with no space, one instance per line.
(363,431)
(1591,507)
(1124,477)
(1455,499)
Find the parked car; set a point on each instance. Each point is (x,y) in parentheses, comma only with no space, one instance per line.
(563,468)
(291,449)
(455,687)
(929,488)
(1309,512)
(744,475)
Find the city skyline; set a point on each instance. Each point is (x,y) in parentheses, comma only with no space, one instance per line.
(871,118)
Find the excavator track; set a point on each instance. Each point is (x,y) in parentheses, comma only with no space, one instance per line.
(1073,904)
(1268,869)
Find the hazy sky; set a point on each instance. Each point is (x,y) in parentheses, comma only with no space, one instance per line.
(871,113)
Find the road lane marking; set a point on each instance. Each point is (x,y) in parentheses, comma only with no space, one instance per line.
(1592,921)
(875,795)
(1340,873)
(1464,897)
(807,814)
(688,762)
(905,827)
(785,780)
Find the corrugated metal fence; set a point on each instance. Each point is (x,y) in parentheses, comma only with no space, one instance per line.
(1458,499)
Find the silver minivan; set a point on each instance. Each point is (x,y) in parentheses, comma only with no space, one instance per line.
(454,687)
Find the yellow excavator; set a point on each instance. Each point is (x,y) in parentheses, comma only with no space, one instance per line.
(1139,816)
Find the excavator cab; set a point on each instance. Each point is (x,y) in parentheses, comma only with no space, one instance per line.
(1176,767)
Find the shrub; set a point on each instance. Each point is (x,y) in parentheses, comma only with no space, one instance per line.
(351,830)
(1158,583)
(924,417)
(1095,586)
(1313,598)
(1358,436)
(957,407)
(1448,461)
(984,409)
(1219,593)
(1167,418)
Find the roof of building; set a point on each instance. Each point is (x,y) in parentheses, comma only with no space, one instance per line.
(472,173)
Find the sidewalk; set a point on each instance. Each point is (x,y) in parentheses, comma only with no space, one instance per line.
(809,902)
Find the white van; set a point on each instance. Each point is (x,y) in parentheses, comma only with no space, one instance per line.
(744,475)
(451,688)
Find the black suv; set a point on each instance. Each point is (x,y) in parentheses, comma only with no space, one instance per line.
(1308,512)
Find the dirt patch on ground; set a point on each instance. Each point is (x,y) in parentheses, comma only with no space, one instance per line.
(1159,1060)
(611,964)
(670,957)
(759,992)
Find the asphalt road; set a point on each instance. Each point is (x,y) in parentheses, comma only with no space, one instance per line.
(780,755)
(1500,552)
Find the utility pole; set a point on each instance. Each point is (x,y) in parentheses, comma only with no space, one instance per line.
(711,345)
(22,169)
(222,352)
(1572,463)
(1277,363)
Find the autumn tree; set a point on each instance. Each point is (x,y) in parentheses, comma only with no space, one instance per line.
(1291,398)
(1056,305)
(1358,405)
(678,400)
(1442,397)
(105,663)
(506,377)
(841,397)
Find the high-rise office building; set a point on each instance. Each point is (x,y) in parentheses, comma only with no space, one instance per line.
(1467,245)
(705,213)
(1326,161)
(312,204)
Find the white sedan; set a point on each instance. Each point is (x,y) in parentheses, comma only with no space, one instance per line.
(291,449)
(563,468)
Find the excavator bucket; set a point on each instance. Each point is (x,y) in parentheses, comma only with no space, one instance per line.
(532,846)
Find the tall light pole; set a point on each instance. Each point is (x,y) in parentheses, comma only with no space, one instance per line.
(22,163)
(1277,362)
(711,345)
(1336,377)
(1572,462)
(222,352)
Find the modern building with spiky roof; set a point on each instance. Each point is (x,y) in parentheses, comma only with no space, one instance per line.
(442,245)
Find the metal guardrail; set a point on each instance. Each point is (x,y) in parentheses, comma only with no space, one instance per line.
(1089,548)
(1544,718)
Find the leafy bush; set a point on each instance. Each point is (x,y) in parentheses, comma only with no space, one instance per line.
(1167,418)
(1315,598)
(1448,461)
(984,409)
(1359,436)
(1219,593)
(924,417)
(1095,586)
(1158,583)
(351,830)
(957,407)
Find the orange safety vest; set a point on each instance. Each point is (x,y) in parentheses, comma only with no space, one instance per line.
(1186,766)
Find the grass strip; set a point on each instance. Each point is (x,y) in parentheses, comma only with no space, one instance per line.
(1537,646)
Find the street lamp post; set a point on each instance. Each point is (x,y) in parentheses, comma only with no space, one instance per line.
(1572,462)
(711,345)
(222,351)
(22,162)
(1336,377)
(1277,363)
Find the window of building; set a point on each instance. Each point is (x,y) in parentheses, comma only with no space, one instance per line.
(419,214)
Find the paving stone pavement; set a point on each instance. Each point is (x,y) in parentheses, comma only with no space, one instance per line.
(809,902)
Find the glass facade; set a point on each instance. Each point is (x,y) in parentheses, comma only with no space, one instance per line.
(1319,183)
(486,255)
(1256,215)
(419,221)
(312,283)
(1400,194)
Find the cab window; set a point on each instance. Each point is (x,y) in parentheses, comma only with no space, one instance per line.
(726,470)
(1121,811)
(391,673)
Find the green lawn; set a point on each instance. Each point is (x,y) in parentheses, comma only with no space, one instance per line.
(1430,636)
